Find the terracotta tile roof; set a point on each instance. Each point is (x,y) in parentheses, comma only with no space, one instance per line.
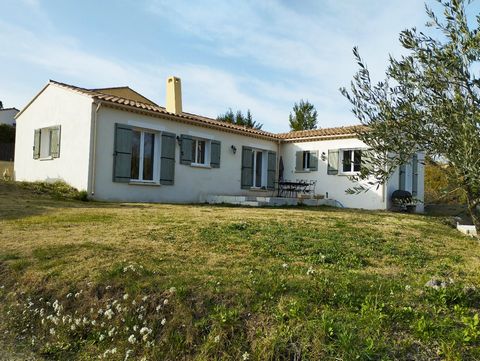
(116,100)
(192,118)
(322,132)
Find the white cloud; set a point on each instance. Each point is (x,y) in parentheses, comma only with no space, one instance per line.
(285,52)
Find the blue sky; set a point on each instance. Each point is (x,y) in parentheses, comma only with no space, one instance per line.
(257,55)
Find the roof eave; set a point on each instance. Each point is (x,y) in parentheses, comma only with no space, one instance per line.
(185,119)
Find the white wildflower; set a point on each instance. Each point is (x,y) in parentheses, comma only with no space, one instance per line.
(109,313)
(127,354)
(132,339)
(111,332)
(164,321)
(172,290)
(135,328)
(165,301)
(310,271)
(285,265)
(158,308)
(408,288)
(125,296)
(217,339)
(52,331)
(246,356)
(101,338)
(145,330)
(144,298)
(72,327)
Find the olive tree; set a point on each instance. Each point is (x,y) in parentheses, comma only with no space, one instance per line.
(429,101)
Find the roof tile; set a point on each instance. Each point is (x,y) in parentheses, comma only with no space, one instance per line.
(316,133)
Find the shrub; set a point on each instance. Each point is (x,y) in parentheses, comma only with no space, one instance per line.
(58,189)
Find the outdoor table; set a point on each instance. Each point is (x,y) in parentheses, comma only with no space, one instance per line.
(291,189)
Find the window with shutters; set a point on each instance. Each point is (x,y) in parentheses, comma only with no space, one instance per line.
(144,160)
(200,152)
(351,160)
(46,143)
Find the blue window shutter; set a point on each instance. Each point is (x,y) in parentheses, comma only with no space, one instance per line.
(36,144)
(55,142)
(186,149)
(122,154)
(167,159)
(403,175)
(299,161)
(215,150)
(271,170)
(415,175)
(247,168)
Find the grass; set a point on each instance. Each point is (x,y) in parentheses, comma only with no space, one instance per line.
(207,282)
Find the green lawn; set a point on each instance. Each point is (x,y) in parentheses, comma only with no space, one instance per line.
(166,282)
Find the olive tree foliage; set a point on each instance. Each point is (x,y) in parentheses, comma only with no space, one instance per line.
(429,101)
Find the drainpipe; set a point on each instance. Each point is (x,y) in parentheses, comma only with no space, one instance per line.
(94,151)
(278,161)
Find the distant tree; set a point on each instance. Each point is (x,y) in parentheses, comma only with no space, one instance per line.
(7,133)
(239,118)
(1,105)
(304,116)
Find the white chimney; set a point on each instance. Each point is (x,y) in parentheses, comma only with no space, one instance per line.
(174,95)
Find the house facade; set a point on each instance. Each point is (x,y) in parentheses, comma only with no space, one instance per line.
(120,146)
(7,116)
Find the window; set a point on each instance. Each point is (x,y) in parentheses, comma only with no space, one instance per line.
(306,160)
(46,144)
(351,160)
(143,167)
(258,168)
(199,151)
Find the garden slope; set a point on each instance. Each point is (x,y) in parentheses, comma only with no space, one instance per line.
(85,279)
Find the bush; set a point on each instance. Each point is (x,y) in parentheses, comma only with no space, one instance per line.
(58,189)
(440,184)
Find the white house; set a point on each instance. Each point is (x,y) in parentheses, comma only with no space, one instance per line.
(120,146)
(7,115)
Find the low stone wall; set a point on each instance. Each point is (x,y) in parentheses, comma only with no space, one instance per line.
(253,201)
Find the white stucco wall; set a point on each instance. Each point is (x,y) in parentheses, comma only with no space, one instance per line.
(334,185)
(72,111)
(7,116)
(191,184)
